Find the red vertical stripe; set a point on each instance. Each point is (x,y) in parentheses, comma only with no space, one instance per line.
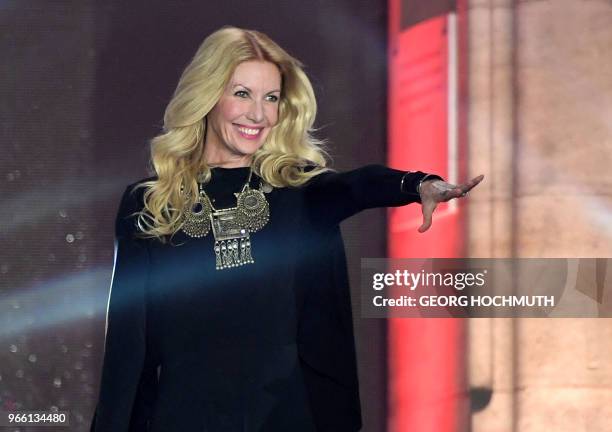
(426,370)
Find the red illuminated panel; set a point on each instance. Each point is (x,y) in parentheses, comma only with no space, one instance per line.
(426,372)
(418,128)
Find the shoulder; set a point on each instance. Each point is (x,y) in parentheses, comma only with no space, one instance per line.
(132,202)
(135,186)
(134,192)
(317,173)
(319,169)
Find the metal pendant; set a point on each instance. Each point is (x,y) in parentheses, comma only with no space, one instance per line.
(252,211)
(196,222)
(232,241)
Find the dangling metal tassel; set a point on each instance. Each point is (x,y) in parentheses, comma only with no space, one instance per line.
(233,253)
(224,254)
(218,261)
(246,253)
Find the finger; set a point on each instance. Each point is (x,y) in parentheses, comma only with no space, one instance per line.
(471,184)
(446,191)
(463,189)
(427,209)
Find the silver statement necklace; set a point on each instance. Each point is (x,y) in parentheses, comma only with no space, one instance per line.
(231,226)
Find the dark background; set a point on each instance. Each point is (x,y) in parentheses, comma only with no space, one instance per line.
(84,86)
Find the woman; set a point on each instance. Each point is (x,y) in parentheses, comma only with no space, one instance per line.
(229,306)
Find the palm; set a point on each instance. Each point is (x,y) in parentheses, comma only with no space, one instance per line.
(434,192)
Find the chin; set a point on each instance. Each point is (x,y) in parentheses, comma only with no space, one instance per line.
(250,152)
(249,148)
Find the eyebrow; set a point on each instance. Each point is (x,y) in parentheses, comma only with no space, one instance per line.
(242,85)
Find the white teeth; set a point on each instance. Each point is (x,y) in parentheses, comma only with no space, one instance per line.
(249,131)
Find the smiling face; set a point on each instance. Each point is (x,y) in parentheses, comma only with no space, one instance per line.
(241,120)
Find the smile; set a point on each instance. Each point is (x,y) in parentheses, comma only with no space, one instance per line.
(249,133)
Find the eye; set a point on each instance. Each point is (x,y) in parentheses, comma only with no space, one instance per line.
(241,93)
(273,98)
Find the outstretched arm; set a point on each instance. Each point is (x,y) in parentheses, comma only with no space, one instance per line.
(334,196)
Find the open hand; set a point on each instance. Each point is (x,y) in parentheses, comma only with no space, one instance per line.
(437,191)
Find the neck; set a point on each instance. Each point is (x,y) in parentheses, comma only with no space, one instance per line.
(228,164)
(225,159)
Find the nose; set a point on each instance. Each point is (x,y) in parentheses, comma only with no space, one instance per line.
(256,112)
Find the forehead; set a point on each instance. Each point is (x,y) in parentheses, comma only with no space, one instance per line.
(256,74)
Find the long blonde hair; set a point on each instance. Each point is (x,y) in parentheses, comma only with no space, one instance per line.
(177,154)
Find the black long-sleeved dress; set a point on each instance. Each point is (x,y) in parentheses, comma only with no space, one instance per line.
(263,347)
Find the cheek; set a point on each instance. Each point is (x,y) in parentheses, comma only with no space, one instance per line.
(272,114)
(228,111)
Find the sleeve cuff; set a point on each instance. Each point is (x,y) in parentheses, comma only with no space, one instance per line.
(410,182)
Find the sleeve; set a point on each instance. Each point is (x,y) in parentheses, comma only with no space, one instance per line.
(332,197)
(127,372)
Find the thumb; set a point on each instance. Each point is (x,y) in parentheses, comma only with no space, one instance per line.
(427,209)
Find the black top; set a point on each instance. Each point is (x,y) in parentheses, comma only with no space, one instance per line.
(262,347)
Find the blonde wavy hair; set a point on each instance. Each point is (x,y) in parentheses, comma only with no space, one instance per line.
(177,154)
